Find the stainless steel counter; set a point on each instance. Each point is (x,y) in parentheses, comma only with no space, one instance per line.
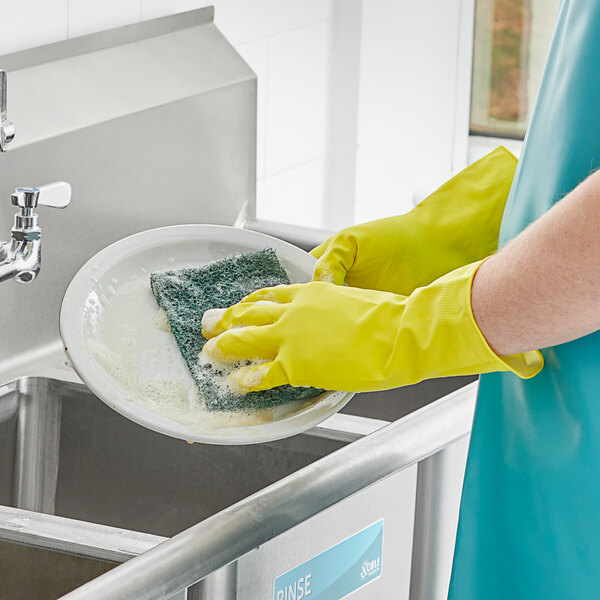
(82,480)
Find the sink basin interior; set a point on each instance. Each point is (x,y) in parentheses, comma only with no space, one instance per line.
(39,574)
(64,452)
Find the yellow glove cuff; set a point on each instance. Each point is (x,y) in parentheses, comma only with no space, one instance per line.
(526,364)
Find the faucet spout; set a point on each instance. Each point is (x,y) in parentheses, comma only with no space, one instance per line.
(7,129)
(20,260)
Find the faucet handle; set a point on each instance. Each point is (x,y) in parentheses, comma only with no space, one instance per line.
(56,194)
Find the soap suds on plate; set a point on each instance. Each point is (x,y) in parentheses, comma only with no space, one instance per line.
(132,342)
(172,397)
(160,320)
(187,294)
(210,318)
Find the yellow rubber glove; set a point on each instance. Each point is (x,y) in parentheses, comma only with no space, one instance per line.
(456,225)
(344,338)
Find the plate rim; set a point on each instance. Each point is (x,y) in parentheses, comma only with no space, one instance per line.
(127,407)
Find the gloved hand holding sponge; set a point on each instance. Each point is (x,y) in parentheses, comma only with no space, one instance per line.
(405,314)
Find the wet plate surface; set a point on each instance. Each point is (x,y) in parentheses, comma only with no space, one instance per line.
(121,346)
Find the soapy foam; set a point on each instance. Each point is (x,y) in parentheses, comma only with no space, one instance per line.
(172,397)
(246,379)
(221,375)
(160,320)
(326,275)
(210,318)
(215,353)
(132,342)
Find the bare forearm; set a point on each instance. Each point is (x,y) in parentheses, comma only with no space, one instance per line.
(543,288)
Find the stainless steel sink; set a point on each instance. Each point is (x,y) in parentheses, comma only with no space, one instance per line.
(63,452)
(83,490)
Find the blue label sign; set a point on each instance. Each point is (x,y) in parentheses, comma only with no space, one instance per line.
(337,572)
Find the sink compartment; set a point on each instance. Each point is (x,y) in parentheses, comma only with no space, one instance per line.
(65,452)
(37,573)
(78,479)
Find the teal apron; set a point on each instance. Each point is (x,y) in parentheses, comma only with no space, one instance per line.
(529,525)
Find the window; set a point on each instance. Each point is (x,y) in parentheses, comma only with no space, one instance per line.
(510,47)
(370,104)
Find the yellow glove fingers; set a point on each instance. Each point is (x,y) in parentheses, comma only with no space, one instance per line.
(319,250)
(245,343)
(218,320)
(257,378)
(280,294)
(454,226)
(336,261)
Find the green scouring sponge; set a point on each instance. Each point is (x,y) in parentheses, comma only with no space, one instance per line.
(186,294)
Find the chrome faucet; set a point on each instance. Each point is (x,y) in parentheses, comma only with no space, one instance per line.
(21,256)
(7,129)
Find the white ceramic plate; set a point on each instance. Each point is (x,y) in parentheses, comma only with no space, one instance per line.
(116,340)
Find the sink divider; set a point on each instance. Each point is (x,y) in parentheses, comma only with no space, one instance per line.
(88,540)
(38,439)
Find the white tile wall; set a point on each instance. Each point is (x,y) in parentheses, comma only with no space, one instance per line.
(293,196)
(407,101)
(283,41)
(296,97)
(90,16)
(258,19)
(152,9)
(28,23)
(247,20)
